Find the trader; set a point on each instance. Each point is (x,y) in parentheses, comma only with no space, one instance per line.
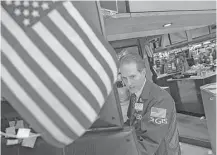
(151,110)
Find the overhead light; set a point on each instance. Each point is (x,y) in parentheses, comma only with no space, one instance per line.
(167,25)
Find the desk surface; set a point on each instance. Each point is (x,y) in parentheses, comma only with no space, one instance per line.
(165,75)
(211,88)
(195,77)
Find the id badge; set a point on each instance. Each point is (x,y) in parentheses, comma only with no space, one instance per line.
(139,116)
(139,106)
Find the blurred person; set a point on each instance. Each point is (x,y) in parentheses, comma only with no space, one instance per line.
(151,110)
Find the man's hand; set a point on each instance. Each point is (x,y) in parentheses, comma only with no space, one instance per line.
(127,123)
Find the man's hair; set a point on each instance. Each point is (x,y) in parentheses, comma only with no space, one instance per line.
(133,58)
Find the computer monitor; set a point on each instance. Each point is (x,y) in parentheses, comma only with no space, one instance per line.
(106,142)
(111,114)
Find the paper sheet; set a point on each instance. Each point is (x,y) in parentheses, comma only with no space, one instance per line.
(12,142)
(12,123)
(29,142)
(23,133)
(19,124)
(11,130)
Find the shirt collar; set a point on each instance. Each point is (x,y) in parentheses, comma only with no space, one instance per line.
(140,91)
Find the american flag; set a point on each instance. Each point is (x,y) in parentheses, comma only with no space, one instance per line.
(158,112)
(57,69)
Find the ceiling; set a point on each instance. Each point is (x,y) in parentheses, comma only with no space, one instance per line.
(133,25)
(144,6)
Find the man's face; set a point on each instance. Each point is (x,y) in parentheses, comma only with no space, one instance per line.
(133,78)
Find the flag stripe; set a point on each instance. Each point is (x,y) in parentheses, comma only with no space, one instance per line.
(28,116)
(77,41)
(52,36)
(65,85)
(92,36)
(30,104)
(37,98)
(49,69)
(86,40)
(39,87)
(74,52)
(44,78)
(66,72)
(81,46)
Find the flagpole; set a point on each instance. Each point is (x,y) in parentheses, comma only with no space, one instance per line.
(101,19)
(117,5)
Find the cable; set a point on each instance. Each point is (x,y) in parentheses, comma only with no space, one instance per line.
(15,136)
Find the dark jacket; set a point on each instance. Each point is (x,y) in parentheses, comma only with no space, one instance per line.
(156,130)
